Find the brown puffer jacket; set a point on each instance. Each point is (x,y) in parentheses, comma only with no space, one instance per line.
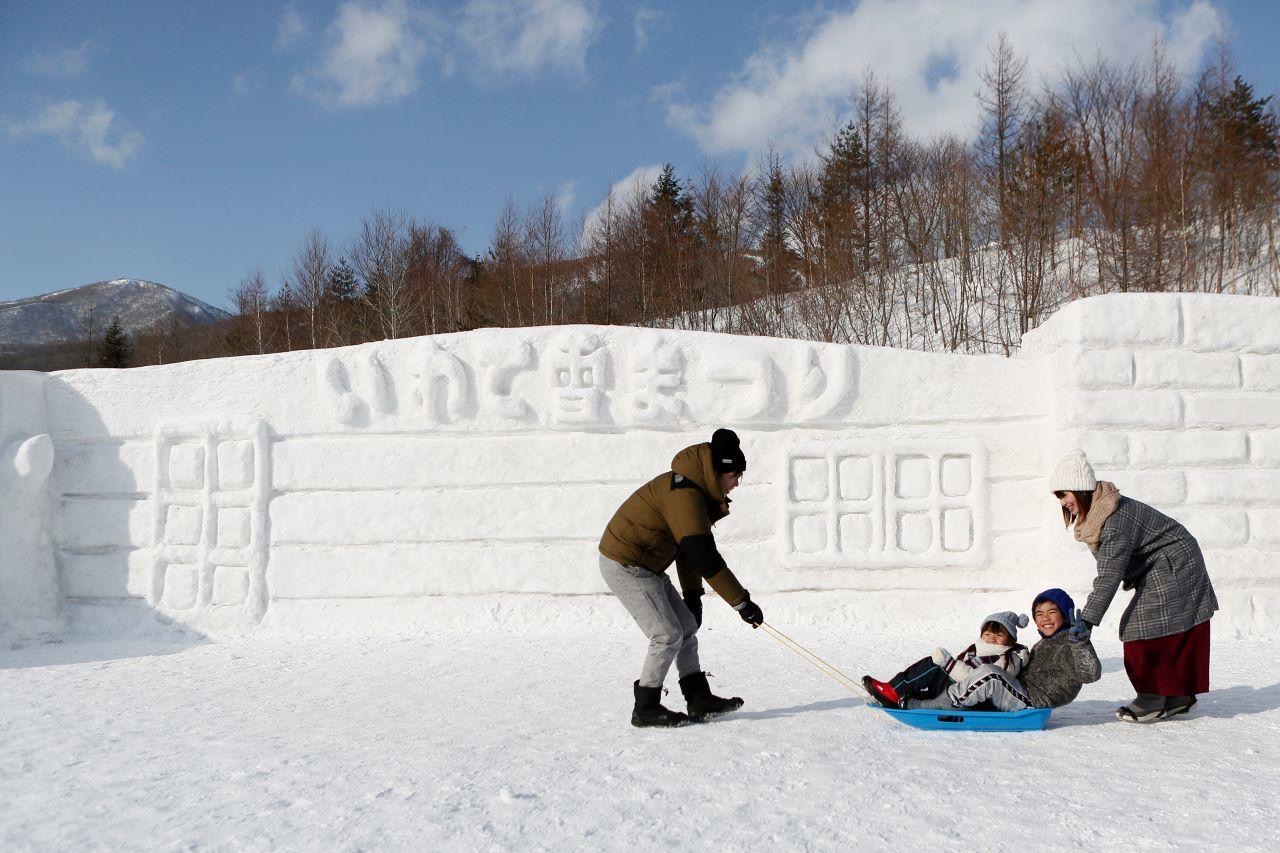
(669,518)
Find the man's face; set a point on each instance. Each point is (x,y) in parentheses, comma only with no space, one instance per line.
(729,481)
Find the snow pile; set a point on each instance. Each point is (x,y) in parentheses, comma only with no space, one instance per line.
(466,478)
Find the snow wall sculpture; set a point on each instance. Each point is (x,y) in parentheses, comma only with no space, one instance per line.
(467,477)
(29,596)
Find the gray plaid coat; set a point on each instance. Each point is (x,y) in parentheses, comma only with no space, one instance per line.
(1150,553)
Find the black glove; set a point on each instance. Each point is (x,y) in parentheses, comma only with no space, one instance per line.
(694,603)
(750,612)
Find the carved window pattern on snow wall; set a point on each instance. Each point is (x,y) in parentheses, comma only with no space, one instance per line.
(864,503)
(212,484)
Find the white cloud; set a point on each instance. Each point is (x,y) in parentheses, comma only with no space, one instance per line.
(525,36)
(244,83)
(791,94)
(89,129)
(61,62)
(291,28)
(622,194)
(372,55)
(566,196)
(644,21)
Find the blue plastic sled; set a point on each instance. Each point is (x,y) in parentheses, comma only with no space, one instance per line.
(1030,720)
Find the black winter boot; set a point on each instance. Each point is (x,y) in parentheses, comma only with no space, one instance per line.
(703,704)
(649,712)
(1144,708)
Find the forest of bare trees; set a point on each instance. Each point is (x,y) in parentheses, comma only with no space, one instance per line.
(1111,178)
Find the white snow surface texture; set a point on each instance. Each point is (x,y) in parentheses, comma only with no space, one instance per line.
(465,479)
(519,740)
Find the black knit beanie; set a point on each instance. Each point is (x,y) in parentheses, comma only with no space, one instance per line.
(726,452)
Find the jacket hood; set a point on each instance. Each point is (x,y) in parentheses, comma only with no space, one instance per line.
(694,462)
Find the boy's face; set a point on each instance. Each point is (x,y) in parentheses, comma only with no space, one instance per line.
(996,635)
(1049,618)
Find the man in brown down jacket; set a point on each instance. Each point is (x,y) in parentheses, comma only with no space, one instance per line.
(669,519)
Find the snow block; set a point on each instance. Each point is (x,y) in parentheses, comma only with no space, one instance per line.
(897,386)
(103,468)
(1261,372)
(1203,447)
(424,461)
(1264,447)
(1105,449)
(1116,320)
(119,574)
(1123,409)
(85,524)
(1174,369)
(1157,488)
(1232,410)
(1214,527)
(1083,368)
(1242,323)
(1264,528)
(1233,487)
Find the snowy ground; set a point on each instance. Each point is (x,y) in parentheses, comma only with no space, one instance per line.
(484,740)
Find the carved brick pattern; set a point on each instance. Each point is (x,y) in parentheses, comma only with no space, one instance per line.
(212,485)
(864,503)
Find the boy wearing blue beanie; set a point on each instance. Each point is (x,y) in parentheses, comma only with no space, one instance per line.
(1061,663)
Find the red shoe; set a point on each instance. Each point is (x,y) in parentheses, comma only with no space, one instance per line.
(882,692)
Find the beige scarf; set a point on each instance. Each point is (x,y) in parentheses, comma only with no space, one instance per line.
(1106,497)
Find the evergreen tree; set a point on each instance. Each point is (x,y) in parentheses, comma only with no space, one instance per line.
(342,285)
(844,178)
(775,250)
(844,169)
(1246,128)
(671,202)
(671,246)
(115,350)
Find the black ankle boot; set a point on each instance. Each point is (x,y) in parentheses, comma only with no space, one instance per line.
(703,704)
(1143,708)
(650,713)
(1175,705)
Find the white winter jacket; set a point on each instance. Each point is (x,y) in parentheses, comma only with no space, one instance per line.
(1011,659)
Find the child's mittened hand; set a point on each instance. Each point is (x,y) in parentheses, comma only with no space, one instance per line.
(941,657)
(1080,629)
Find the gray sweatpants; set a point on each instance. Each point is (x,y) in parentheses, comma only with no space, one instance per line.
(987,683)
(661,613)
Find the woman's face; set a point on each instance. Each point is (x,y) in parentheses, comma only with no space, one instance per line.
(1069,503)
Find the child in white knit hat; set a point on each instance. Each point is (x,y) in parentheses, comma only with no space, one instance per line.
(930,678)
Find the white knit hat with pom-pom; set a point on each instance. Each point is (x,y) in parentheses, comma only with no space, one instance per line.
(1010,620)
(1073,473)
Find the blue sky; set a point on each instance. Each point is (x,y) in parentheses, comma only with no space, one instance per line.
(189,143)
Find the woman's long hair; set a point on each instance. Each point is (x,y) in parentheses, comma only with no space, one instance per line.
(1084,500)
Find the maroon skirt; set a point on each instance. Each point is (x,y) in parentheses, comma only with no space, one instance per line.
(1176,665)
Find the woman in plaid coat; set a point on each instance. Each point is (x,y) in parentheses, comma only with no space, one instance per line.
(1165,628)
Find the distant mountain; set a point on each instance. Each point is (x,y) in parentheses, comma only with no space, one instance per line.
(64,315)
